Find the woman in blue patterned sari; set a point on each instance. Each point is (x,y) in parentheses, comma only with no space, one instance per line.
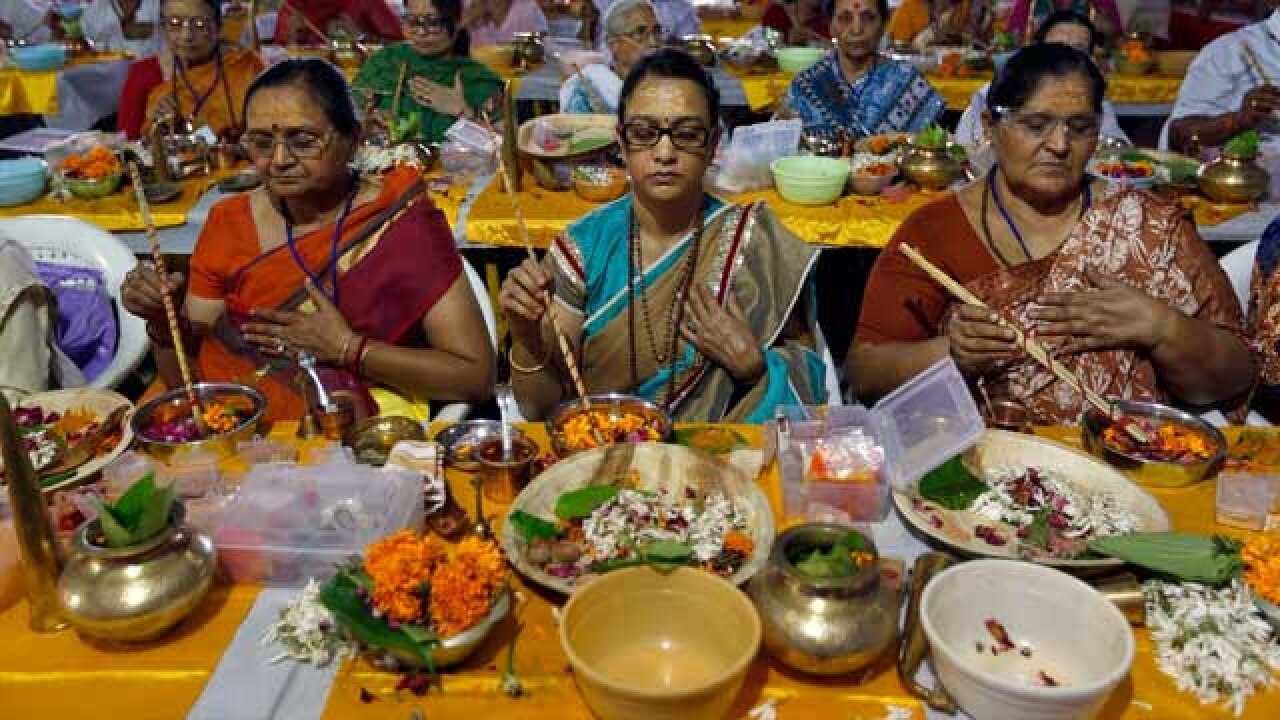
(696,304)
(855,91)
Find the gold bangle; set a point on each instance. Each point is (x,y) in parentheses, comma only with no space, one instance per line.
(511,360)
(362,354)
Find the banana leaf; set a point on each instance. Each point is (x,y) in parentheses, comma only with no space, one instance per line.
(340,596)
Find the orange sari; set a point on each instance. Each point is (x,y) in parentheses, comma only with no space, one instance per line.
(397,257)
(211,94)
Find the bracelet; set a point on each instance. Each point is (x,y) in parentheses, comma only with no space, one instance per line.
(346,348)
(511,360)
(361,349)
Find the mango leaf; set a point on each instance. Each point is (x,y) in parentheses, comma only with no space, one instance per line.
(340,598)
(582,502)
(951,485)
(115,534)
(531,527)
(129,508)
(1243,145)
(155,515)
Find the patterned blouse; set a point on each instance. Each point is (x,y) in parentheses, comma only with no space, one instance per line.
(890,97)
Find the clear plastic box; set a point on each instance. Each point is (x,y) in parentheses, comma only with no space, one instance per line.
(919,426)
(261,450)
(124,471)
(1247,500)
(195,475)
(289,523)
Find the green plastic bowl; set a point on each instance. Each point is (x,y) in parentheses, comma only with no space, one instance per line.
(794,59)
(809,179)
(101,187)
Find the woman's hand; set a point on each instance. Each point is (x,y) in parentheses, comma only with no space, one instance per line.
(1111,315)
(142,291)
(441,98)
(979,343)
(723,335)
(324,333)
(165,110)
(523,300)
(1259,105)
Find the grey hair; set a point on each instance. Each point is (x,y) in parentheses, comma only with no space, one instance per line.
(617,10)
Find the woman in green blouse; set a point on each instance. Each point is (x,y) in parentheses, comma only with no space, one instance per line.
(441,81)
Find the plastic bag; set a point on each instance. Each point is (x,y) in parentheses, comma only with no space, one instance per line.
(746,159)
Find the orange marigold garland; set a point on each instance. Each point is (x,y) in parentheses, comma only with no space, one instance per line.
(399,566)
(1261,557)
(462,590)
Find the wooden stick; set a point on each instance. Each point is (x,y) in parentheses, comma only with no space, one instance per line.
(170,312)
(315,30)
(395,102)
(1252,61)
(1033,348)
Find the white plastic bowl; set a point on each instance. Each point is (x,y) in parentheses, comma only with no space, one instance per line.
(1075,635)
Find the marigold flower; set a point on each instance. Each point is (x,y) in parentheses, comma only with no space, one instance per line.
(1261,556)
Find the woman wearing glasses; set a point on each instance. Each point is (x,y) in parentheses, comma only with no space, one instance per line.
(1114,282)
(631,31)
(194,80)
(362,273)
(441,81)
(670,293)
(856,92)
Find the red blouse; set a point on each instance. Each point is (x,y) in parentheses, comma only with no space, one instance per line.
(144,76)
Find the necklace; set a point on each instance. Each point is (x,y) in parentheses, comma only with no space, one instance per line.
(992,191)
(333,245)
(675,314)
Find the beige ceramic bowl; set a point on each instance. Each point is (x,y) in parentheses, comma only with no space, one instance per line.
(1072,631)
(646,645)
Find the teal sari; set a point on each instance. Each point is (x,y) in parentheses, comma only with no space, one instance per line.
(744,251)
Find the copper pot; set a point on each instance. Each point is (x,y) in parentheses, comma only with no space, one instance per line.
(930,168)
(1234,179)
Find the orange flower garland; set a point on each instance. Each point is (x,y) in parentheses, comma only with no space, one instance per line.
(1261,557)
(462,591)
(399,565)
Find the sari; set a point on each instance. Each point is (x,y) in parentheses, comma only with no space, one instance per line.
(744,251)
(1129,234)
(1264,315)
(371,17)
(890,97)
(397,246)
(1026,15)
(211,94)
(379,75)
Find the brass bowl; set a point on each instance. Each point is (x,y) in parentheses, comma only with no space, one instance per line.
(461,441)
(455,648)
(615,406)
(1234,179)
(1153,472)
(371,439)
(1129,68)
(174,405)
(930,168)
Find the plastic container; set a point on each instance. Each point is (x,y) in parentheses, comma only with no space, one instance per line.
(1248,500)
(262,450)
(21,181)
(124,471)
(289,523)
(49,56)
(919,426)
(810,180)
(195,475)
(797,59)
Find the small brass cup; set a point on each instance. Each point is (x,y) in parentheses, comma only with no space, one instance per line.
(504,478)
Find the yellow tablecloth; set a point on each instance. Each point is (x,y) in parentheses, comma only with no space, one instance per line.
(727,27)
(852,222)
(118,212)
(763,90)
(36,93)
(1153,89)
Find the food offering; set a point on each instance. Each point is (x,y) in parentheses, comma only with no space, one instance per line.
(218,417)
(1124,169)
(605,420)
(889,144)
(1170,442)
(94,173)
(228,414)
(63,433)
(1174,448)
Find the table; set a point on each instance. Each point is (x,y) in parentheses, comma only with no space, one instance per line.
(542,87)
(1141,96)
(61,675)
(73,98)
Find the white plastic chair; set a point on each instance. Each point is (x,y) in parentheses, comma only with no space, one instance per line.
(454,412)
(1238,265)
(62,240)
(832,376)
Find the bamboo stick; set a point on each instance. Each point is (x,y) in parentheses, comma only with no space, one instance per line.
(395,101)
(1033,348)
(170,312)
(1252,61)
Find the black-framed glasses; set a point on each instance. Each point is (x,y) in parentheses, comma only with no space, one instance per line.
(1038,125)
(426,23)
(175,23)
(643,33)
(685,136)
(302,144)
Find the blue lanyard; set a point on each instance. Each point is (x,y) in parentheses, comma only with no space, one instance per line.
(200,100)
(1017,235)
(333,248)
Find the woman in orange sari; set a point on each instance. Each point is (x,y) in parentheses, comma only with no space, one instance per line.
(360,273)
(195,80)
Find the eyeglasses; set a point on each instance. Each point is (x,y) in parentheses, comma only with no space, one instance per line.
(301,144)
(201,24)
(685,136)
(642,33)
(1038,125)
(426,23)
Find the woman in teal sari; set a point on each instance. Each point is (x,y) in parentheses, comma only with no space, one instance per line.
(422,86)
(668,293)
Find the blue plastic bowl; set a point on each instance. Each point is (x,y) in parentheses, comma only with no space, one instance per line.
(50,56)
(70,12)
(21,181)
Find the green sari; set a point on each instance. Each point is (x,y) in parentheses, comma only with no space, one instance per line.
(744,251)
(381,71)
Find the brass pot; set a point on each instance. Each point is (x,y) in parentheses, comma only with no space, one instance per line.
(701,47)
(1234,179)
(930,168)
(823,626)
(135,593)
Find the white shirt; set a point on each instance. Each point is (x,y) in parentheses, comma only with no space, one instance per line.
(101,26)
(1219,77)
(969,130)
(677,17)
(26,17)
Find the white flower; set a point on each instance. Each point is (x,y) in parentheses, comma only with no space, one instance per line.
(307,632)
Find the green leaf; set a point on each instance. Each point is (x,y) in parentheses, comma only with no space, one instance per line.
(952,486)
(155,515)
(531,527)
(1243,145)
(340,598)
(606,566)
(1184,556)
(832,563)
(668,552)
(581,503)
(933,136)
(1038,530)
(855,542)
(116,534)
(129,508)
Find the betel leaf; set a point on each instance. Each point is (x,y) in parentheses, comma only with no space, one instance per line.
(582,502)
(1038,531)
(341,598)
(531,527)
(139,515)
(933,136)
(667,554)
(128,509)
(952,486)
(1243,145)
(1186,557)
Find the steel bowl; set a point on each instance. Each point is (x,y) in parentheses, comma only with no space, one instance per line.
(615,404)
(371,439)
(461,441)
(174,404)
(1152,472)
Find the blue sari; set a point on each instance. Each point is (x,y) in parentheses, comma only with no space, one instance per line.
(744,251)
(891,97)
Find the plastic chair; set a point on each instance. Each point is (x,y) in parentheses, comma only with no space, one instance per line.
(454,412)
(62,240)
(1238,265)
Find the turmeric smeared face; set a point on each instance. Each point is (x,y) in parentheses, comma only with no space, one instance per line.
(667,137)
